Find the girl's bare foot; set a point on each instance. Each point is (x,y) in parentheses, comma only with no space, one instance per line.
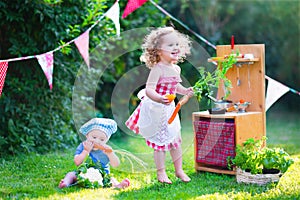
(183,176)
(163,177)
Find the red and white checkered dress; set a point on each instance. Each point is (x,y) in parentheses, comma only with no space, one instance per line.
(165,136)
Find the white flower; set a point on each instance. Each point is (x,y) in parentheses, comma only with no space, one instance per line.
(93,175)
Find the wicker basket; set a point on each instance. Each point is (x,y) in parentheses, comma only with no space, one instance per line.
(259,179)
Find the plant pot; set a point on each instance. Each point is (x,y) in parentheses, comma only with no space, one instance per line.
(259,179)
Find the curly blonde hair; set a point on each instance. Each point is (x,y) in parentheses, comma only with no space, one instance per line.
(153,41)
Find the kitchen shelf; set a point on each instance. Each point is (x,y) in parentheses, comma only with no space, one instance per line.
(227,115)
(239,60)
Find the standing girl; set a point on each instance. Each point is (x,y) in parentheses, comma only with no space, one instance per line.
(162,49)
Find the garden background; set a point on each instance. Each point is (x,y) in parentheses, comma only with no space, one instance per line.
(37,123)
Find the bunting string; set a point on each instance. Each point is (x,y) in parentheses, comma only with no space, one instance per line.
(182,24)
(82,41)
(46,60)
(57,49)
(294,91)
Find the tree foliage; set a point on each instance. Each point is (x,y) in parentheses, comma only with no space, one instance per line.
(34,118)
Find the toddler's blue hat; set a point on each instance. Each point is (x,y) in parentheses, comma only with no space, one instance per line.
(108,126)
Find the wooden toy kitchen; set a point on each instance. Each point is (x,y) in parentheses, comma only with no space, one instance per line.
(216,135)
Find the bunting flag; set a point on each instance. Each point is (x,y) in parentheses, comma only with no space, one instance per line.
(3,69)
(82,43)
(46,62)
(113,13)
(131,6)
(274,91)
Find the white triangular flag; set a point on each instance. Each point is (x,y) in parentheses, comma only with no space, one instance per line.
(82,43)
(113,13)
(274,91)
(46,62)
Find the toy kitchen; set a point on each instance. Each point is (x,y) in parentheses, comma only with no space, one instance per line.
(217,134)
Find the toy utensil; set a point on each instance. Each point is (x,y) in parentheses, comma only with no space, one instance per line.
(181,102)
(249,84)
(238,82)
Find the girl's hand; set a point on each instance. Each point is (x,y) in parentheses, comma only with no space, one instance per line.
(190,91)
(165,100)
(88,145)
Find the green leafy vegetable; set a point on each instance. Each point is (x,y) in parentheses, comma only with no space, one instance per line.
(253,157)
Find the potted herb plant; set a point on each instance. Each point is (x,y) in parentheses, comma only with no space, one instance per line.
(257,164)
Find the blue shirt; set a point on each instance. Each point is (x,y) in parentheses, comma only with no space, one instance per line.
(97,156)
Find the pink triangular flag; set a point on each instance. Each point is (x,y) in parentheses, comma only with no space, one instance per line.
(131,6)
(82,43)
(274,91)
(46,62)
(3,69)
(113,13)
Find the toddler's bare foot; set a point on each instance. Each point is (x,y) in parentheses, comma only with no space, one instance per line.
(163,177)
(124,184)
(69,179)
(183,176)
(62,184)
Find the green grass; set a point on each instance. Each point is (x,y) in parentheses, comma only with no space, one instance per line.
(37,176)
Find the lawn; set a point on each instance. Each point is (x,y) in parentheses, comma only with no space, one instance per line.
(37,176)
